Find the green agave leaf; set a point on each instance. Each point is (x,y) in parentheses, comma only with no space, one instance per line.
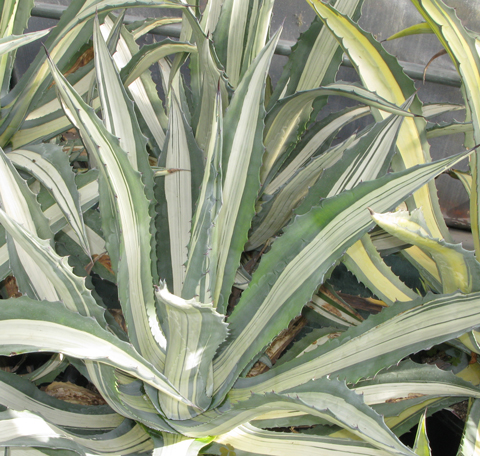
(69,288)
(311,144)
(124,209)
(19,394)
(288,118)
(39,326)
(199,274)
(247,440)
(417,29)
(298,262)
(470,438)
(462,47)
(27,429)
(364,261)
(304,70)
(421,447)
(385,338)
(19,202)
(188,363)
(150,54)
(380,72)
(51,167)
(243,150)
(458,268)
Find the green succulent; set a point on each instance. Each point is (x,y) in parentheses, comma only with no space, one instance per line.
(232,235)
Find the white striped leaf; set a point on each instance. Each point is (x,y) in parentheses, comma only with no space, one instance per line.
(19,203)
(26,429)
(19,394)
(51,167)
(471,437)
(380,341)
(380,72)
(199,274)
(411,228)
(298,262)
(242,155)
(363,260)
(310,144)
(463,49)
(30,326)
(247,440)
(12,42)
(13,21)
(150,54)
(188,363)
(125,223)
(304,70)
(323,398)
(288,118)
(69,288)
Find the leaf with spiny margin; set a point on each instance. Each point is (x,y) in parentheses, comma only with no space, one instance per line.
(12,42)
(26,429)
(458,268)
(194,332)
(304,70)
(329,399)
(247,440)
(88,192)
(364,261)
(70,288)
(299,260)
(448,128)
(200,275)
(408,380)
(31,326)
(17,393)
(150,54)
(462,46)
(51,167)
(125,223)
(277,209)
(242,158)
(177,195)
(15,16)
(381,72)
(288,118)
(385,338)
(19,202)
(310,145)
(434,109)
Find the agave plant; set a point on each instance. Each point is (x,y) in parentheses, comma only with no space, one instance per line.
(223,209)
